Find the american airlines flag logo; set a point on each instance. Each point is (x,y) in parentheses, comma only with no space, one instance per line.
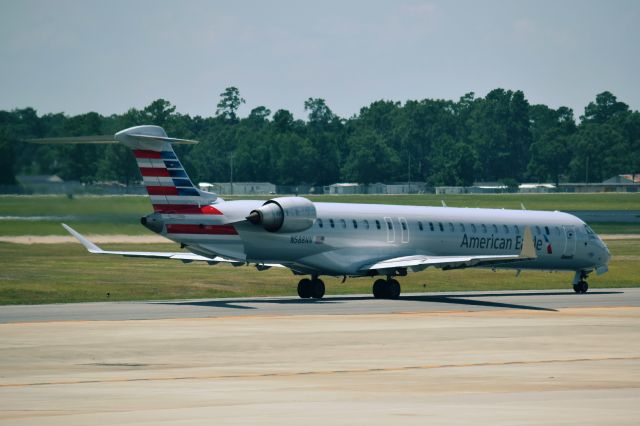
(549,248)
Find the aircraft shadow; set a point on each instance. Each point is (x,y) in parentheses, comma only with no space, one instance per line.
(454,299)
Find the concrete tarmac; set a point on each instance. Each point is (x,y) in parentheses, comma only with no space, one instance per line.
(482,358)
(533,300)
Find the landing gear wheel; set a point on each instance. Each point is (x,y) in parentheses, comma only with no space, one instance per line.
(304,288)
(380,289)
(393,289)
(582,287)
(317,289)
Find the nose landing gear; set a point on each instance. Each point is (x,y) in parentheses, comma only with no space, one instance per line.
(311,288)
(386,289)
(580,284)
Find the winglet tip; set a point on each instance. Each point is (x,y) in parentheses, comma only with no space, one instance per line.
(91,247)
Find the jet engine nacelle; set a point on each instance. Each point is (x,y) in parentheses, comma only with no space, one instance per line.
(284,214)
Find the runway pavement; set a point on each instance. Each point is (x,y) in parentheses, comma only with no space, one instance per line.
(493,358)
(539,300)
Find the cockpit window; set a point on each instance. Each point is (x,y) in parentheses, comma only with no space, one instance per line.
(589,230)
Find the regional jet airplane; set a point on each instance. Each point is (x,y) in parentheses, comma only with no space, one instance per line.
(339,239)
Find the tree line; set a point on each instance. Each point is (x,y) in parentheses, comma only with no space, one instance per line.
(500,137)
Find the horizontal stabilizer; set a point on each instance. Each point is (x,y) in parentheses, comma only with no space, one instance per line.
(104,139)
(75,140)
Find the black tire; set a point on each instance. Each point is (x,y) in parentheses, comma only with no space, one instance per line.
(304,288)
(576,288)
(317,289)
(393,289)
(380,289)
(584,287)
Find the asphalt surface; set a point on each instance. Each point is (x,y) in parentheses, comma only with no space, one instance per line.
(538,300)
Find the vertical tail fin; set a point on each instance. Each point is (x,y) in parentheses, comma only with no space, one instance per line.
(168,185)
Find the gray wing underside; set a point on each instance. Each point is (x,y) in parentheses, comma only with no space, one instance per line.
(183,256)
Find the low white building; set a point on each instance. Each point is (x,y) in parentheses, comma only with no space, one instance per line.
(344,188)
(239,188)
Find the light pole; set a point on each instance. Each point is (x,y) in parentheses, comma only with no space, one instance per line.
(409,173)
(231,174)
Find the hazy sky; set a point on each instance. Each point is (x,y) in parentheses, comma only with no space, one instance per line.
(108,56)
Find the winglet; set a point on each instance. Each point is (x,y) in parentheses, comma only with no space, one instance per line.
(92,248)
(528,249)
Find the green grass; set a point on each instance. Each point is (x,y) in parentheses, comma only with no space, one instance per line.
(45,273)
(121,214)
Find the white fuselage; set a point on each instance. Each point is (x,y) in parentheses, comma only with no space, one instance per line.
(345,237)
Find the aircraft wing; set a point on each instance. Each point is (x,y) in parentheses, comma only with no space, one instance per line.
(185,257)
(528,252)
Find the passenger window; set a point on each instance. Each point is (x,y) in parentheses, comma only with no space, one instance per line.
(517,229)
(389,224)
(319,223)
(377,224)
(495,229)
(538,230)
(431,226)
(366,224)
(546,229)
(331,223)
(462,227)
(451,227)
(355,224)
(441,227)
(404,225)
(343,223)
(420,226)
(473,228)
(484,228)
(506,229)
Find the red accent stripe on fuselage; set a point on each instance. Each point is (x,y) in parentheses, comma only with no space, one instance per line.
(185,209)
(142,153)
(154,171)
(201,229)
(162,190)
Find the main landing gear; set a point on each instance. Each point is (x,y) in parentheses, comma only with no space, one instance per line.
(311,288)
(581,286)
(386,289)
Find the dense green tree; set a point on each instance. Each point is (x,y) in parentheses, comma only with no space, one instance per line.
(230,101)
(369,159)
(499,137)
(7,157)
(550,151)
(605,107)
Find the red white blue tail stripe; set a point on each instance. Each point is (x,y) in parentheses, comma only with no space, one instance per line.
(169,186)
